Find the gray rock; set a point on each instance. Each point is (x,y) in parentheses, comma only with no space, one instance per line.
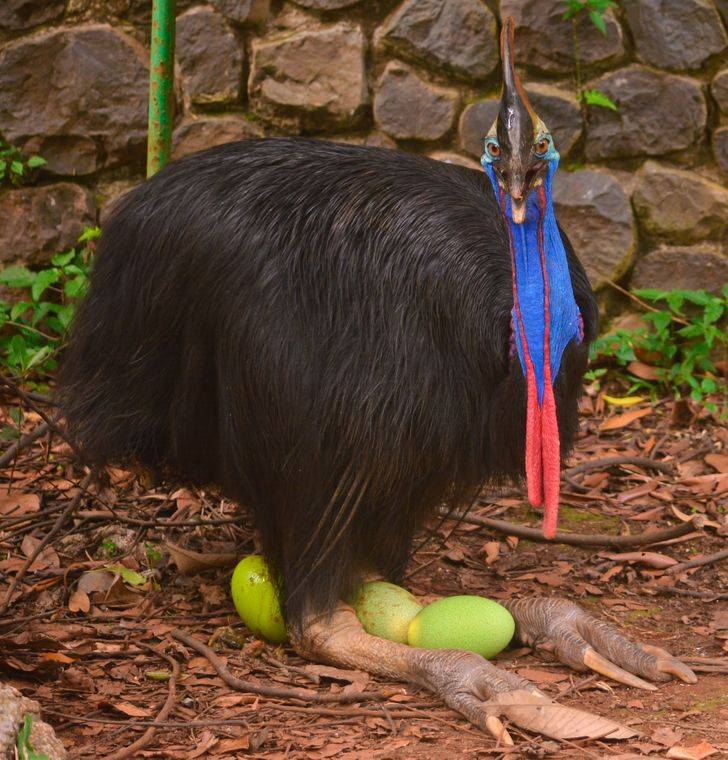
(595,213)
(326,5)
(560,113)
(408,108)
(41,221)
(544,39)
(675,34)
(24,14)
(558,109)
(658,113)
(379,140)
(475,122)
(679,204)
(719,89)
(448,157)
(720,147)
(209,56)
(685,268)
(82,89)
(313,79)
(243,11)
(13,709)
(197,134)
(459,36)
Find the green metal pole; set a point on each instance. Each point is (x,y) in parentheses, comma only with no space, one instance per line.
(161,85)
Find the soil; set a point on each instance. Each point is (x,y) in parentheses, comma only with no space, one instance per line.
(126,568)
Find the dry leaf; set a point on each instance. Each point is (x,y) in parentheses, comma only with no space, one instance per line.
(541,676)
(666,736)
(133,711)
(492,550)
(648,559)
(190,563)
(79,601)
(622,420)
(18,503)
(47,558)
(718,462)
(224,746)
(624,401)
(645,371)
(696,752)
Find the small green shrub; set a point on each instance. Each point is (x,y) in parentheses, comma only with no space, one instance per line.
(595,10)
(675,350)
(16,169)
(34,320)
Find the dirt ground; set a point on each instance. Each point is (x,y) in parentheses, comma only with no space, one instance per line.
(87,632)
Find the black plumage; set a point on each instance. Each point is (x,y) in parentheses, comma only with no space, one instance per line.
(321,330)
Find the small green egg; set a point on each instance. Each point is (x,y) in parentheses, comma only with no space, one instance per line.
(385,610)
(255,596)
(471,623)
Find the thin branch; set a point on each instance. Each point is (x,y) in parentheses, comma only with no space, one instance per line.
(578,539)
(598,464)
(22,443)
(303,695)
(709,559)
(642,303)
(52,533)
(163,714)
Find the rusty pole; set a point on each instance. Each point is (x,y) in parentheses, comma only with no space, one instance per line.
(161,85)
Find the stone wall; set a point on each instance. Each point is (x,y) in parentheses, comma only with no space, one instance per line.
(643,191)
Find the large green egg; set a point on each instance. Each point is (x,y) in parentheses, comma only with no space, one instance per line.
(471,623)
(385,610)
(255,596)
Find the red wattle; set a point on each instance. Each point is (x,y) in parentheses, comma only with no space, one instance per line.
(534,469)
(551,460)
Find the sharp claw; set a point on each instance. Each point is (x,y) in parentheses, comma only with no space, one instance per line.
(592,659)
(499,731)
(666,663)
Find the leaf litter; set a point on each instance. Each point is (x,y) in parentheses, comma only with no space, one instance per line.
(90,623)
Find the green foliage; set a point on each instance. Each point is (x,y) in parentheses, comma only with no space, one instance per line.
(24,749)
(34,320)
(678,344)
(598,98)
(16,169)
(108,548)
(595,10)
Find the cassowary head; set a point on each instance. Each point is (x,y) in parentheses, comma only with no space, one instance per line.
(519,145)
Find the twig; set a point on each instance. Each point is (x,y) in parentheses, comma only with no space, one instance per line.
(709,559)
(642,303)
(303,695)
(21,394)
(22,443)
(52,533)
(598,464)
(146,737)
(106,514)
(38,398)
(578,539)
(708,596)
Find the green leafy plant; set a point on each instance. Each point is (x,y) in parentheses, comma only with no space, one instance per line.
(676,348)
(595,10)
(33,321)
(24,748)
(16,169)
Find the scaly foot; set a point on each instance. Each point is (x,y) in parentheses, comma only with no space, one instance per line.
(585,642)
(463,680)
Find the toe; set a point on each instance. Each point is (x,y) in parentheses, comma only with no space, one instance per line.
(666,663)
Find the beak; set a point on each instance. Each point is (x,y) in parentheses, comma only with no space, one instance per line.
(515,126)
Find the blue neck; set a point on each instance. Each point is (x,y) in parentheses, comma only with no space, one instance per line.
(561,312)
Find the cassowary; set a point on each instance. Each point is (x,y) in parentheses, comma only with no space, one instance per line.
(343,338)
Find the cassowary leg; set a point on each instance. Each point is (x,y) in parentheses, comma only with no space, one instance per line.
(585,642)
(464,681)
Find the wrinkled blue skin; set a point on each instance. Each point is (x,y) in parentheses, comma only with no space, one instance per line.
(564,315)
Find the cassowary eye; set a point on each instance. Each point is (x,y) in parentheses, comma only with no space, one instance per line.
(542,145)
(494,149)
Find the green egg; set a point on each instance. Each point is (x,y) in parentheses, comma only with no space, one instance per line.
(471,623)
(385,610)
(255,596)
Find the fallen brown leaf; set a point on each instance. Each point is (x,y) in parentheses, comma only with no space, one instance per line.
(190,563)
(696,752)
(18,503)
(622,420)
